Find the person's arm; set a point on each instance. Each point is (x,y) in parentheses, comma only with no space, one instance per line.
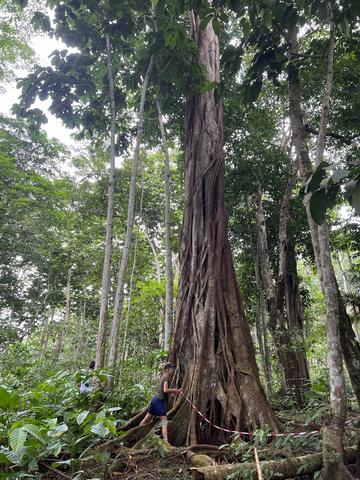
(166,388)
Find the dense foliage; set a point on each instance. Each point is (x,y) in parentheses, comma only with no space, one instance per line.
(53,208)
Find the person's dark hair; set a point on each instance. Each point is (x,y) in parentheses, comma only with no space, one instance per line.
(92,365)
(169,365)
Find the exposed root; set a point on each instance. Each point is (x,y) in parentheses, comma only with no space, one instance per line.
(288,468)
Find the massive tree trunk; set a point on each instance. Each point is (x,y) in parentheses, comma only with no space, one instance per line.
(105,286)
(285,349)
(212,348)
(169,329)
(119,296)
(333,432)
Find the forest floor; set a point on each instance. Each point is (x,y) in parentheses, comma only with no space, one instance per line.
(153,467)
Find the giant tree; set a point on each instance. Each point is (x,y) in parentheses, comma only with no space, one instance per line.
(212,346)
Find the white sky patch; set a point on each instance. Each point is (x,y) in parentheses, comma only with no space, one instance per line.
(43,47)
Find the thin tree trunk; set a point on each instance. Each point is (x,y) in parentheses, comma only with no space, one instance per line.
(45,328)
(169,327)
(333,433)
(127,318)
(119,296)
(342,271)
(285,349)
(81,333)
(65,324)
(212,346)
(350,347)
(287,258)
(261,331)
(295,313)
(158,278)
(105,286)
(47,333)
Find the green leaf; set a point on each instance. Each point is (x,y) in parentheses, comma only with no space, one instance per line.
(100,429)
(4,459)
(111,425)
(81,417)
(267,18)
(35,432)
(205,21)
(17,438)
(321,201)
(319,387)
(216,26)
(317,177)
(58,431)
(300,4)
(8,400)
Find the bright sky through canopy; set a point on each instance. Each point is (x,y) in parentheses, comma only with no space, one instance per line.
(43,47)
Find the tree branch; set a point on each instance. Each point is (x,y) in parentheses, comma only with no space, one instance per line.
(330,133)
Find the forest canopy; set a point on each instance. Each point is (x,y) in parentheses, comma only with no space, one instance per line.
(205,217)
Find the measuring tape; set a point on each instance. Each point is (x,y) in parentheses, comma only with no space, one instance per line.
(249,434)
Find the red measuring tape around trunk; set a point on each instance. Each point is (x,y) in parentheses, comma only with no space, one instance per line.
(249,434)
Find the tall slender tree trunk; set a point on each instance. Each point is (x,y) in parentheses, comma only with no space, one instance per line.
(105,285)
(295,314)
(67,312)
(287,272)
(81,331)
(45,339)
(285,349)
(261,331)
(343,273)
(333,432)
(169,325)
(212,346)
(45,328)
(131,289)
(119,296)
(158,278)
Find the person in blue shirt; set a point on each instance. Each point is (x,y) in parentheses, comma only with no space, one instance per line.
(159,403)
(87,382)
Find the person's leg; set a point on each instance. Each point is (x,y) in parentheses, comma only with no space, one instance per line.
(164,429)
(146,419)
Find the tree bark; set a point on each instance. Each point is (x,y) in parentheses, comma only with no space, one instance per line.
(127,318)
(286,352)
(45,329)
(67,312)
(287,286)
(350,346)
(212,347)
(158,278)
(81,331)
(119,296)
(169,326)
(294,311)
(105,285)
(261,331)
(333,433)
